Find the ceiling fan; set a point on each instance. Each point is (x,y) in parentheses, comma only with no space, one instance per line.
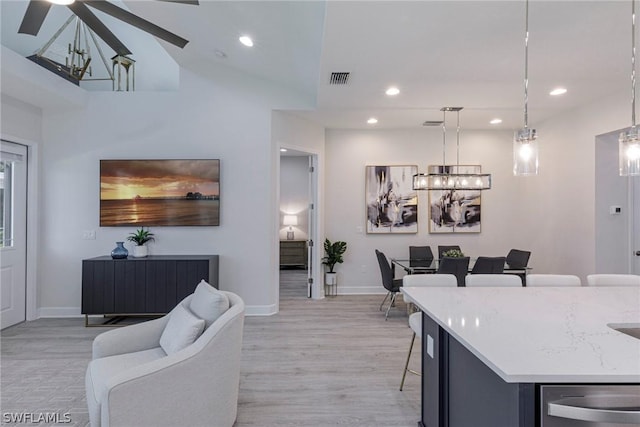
(37,11)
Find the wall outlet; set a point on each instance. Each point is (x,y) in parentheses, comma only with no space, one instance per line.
(89,235)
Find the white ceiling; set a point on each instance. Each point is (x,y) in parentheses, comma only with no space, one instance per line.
(439,53)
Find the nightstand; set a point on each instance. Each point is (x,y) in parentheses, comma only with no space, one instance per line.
(293,253)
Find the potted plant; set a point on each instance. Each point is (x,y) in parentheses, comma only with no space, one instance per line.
(453,253)
(334,252)
(140,237)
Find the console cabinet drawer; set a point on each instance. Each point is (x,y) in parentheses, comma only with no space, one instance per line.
(293,253)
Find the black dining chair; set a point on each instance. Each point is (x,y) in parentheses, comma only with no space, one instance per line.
(420,256)
(390,284)
(489,265)
(517,258)
(456,266)
(443,249)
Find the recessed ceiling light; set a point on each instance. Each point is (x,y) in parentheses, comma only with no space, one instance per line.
(372,121)
(63,2)
(392,91)
(495,121)
(283,150)
(558,91)
(246,40)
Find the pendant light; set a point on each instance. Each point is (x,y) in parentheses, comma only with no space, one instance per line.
(629,142)
(450,177)
(525,144)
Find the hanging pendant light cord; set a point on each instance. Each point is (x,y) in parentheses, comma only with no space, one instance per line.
(526,65)
(444,140)
(458,144)
(633,63)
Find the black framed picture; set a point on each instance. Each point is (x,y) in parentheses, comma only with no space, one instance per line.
(160,192)
(391,201)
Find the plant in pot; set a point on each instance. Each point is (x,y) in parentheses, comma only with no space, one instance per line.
(140,237)
(333,252)
(453,253)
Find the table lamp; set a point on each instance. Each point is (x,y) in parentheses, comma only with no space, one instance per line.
(290,220)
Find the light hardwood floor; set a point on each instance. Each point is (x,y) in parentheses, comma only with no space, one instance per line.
(334,362)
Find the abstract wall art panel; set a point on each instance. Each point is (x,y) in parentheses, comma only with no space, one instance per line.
(391,201)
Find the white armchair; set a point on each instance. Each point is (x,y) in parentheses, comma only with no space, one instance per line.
(131,381)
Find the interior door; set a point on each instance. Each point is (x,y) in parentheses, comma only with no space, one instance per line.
(311,228)
(635,222)
(13,233)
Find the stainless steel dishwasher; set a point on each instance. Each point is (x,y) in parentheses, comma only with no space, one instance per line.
(590,405)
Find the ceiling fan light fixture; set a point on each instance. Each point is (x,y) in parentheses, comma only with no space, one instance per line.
(62,2)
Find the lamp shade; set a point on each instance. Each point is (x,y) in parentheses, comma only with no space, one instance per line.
(290,220)
(525,152)
(629,152)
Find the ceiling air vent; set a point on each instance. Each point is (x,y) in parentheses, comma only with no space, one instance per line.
(432,123)
(339,78)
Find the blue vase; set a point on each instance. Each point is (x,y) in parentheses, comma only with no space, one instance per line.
(120,252)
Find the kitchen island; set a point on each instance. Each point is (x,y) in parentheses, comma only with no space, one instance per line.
(488,351)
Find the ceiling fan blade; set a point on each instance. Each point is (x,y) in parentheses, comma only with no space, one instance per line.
(34,17)
(136,21)
(98,27)
(193,2)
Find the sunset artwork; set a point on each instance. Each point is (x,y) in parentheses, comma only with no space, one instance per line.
(159,192)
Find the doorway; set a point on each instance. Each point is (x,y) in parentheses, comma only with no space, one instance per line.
(298,224)
(617,211)
(13,233)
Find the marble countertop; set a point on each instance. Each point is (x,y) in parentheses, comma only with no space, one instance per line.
(542,334)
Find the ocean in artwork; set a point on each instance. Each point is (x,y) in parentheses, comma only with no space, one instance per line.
(160,212)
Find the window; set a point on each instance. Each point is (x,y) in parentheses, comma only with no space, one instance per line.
(6,203)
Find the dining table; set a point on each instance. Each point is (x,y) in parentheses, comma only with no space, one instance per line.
(422,266)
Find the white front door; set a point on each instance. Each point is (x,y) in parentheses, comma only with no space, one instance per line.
(13,233)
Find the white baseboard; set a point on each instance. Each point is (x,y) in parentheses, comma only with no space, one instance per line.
(361,290)
(59,312)
(53,312)
(261,310)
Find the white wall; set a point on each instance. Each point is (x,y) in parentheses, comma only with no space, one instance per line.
(229,119)
(553,214)
(612,230)
(560,204)
(20,120)
(347,154)
(290,131)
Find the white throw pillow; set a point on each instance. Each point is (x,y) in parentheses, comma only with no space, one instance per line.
(182,329)
(208,303)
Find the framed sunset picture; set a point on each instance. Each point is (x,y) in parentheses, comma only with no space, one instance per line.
(160,192)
